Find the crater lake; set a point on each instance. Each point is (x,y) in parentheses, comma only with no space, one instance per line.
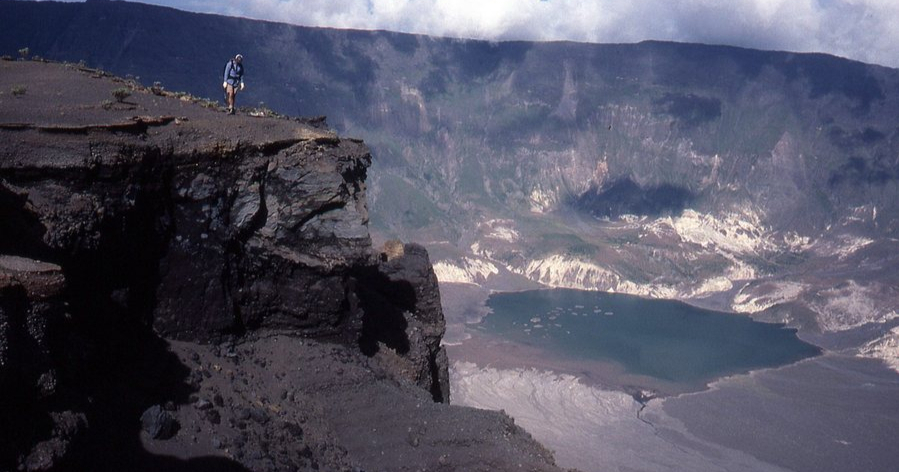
(667,340)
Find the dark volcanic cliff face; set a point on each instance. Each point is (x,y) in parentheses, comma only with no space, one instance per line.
(125,223)
(264,236)
(202,226)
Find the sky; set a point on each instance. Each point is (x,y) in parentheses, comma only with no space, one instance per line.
(864,30)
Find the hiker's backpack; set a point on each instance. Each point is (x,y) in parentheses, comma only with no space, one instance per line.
(238,68)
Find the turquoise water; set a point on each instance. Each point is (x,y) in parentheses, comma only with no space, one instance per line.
(664,339)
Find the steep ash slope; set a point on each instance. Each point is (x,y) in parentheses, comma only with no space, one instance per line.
(130,222)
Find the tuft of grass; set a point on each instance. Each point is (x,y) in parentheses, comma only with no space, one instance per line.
(18,90)
(262,110)
(121,93)
(24,53)
(107,104)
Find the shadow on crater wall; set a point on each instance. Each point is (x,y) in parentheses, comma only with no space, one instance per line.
(626,197)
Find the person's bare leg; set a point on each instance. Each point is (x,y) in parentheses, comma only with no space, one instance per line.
(231,92)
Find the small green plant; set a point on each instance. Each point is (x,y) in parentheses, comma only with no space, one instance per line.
(121,93)
(107,104)
(6,57)
(23,53)
(18,90)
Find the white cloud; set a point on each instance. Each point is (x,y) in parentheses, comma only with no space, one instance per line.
(858,29)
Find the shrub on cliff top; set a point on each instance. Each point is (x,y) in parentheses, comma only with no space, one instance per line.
(121,93)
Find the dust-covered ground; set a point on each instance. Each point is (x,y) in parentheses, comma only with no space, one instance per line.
(831,413)
(828,414)
(282,403)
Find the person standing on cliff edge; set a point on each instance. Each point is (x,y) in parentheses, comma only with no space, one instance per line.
(233,80)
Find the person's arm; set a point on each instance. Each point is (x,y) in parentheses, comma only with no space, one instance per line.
(227,71)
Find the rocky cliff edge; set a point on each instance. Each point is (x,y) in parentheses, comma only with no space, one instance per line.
(181,289)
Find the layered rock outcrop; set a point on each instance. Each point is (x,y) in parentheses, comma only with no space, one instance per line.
(405,317)
(154,217)
(32,313)
(208,228)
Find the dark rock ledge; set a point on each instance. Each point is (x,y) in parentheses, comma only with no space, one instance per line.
(185,290)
